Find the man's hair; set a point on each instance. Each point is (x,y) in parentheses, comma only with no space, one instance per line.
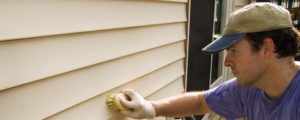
(286,41)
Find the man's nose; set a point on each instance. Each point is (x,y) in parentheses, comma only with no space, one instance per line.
(227,61)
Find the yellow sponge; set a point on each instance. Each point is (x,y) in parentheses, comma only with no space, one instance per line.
(114,103)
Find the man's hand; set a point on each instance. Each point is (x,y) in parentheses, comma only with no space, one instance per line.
(139,107)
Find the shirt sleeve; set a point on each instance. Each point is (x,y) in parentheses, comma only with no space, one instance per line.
(225,100)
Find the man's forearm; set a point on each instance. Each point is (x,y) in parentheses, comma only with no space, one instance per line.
(182,105)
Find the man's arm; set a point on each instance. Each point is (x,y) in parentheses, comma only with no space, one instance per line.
(177,106)
(186,104)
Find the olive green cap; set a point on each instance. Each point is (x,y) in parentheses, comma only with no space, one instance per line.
(255,17)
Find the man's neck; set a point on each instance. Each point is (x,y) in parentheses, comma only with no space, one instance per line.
(277,78)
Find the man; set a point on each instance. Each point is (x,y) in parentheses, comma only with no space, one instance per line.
(261,45)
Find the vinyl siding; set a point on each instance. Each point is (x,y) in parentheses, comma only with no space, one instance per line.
(90,109)
(60,59)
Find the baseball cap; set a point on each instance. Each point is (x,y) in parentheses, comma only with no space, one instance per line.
(255,17)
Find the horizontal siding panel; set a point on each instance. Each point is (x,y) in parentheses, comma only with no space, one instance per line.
(41,99)
(33,18)
(29,60)
(90,109)
(174,88)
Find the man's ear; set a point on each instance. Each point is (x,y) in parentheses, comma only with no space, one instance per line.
(268,47)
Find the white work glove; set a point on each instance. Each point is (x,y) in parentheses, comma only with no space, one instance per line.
(139,107)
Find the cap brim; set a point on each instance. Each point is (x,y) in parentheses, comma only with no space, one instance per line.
(222,43)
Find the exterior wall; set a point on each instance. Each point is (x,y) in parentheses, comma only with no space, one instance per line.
(60,59)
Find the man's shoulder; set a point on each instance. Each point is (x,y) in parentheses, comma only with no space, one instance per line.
(242,91)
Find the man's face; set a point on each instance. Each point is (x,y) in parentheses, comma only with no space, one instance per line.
(246,65)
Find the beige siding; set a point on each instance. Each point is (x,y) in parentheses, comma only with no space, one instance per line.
(60,59)
(33,59)
(33,18)
(90,109)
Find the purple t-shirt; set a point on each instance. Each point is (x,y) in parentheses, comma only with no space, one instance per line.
(232,101)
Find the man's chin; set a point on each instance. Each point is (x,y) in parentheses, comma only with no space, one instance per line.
(244,83)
